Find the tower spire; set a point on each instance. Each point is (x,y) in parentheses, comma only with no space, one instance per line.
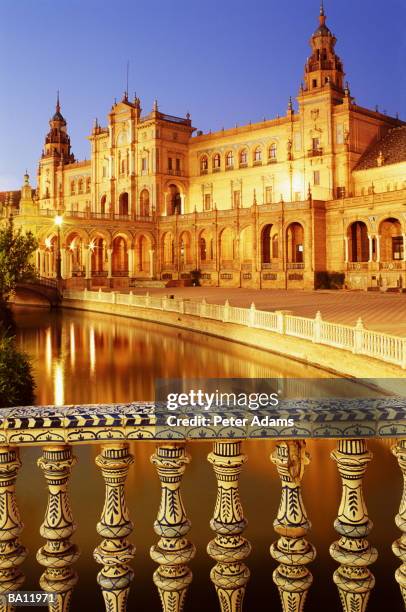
(58,106)
(322,13)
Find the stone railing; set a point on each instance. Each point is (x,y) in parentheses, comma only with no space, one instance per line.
(113,427)
(357,339)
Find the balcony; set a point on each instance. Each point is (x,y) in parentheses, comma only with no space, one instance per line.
(357,265)
(114,427)
(315,152)
(292,265)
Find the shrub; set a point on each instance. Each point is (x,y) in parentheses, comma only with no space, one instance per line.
(329,280)
(16,379)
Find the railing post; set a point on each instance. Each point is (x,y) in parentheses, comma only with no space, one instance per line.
(229,549)
(147,302)
(203,308)
(358,336)
(353,551)
(399,547)
(292,551)
(173,551)
(226,311)
(12,552)
(251,316)
(115,551)
(317,327)
(403,364)
(58,554)
(280,320)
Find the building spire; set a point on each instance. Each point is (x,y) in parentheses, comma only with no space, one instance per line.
(322,13)
(58,106)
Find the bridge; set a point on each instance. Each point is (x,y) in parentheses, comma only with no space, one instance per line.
(38,291)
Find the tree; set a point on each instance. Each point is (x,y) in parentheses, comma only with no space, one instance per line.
(16,379)
(16,250)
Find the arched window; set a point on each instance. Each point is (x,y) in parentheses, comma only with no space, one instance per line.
(275,247)
(257,155)
(204,164)
(122,169)
(272,151)
(72,187)
(103,205)
(295,243)
(230,159)
(80,185)
(88,184)
(216,161)
(266,244)
(203,254)
(358,243)
(144,203)
(123,204)
(243,157)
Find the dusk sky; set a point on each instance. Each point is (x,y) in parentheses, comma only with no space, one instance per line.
(224,61)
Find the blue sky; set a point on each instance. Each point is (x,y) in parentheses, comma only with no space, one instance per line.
(224,61)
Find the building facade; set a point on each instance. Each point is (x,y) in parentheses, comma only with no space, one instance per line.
(311,198)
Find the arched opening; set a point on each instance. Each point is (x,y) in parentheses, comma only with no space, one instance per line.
(206,247)
(98,247)
(144,203)
(103,205)
(266,252)
(246,244)
(358,244)
(227,248)
(74,249)
(295,244)
(185,250)
(204,164)
(51,248)
(175,201)
(391,240)
(167,250)
(123,204)
(120,257)
(143,247)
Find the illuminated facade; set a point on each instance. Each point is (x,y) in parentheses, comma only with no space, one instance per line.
(283,203)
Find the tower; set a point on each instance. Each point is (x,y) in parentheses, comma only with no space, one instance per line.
(57,141)
(323,68)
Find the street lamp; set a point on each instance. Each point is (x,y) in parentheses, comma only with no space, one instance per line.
(58,220)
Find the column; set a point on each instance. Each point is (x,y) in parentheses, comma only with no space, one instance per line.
(370,248)
(292,551)
(173,551)
(41,262)
(59,553)
(109,263)
(115,551)
(12,552)
(378,248)
(88,262)
(404,247)
(229,548)
(182,203)
(399,547)
(346,258)
(131,263)
(353,551)
(151,263)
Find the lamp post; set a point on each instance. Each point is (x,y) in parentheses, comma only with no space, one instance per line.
(58,222)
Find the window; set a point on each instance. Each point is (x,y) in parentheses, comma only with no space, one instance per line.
(177,164)
(207,201)
(216,161)
(316,177)
(314,83)
(104,171)
(315,144)
(144,164)
(257,155)
(275,249)
(272,151)
(204,164)
(88,184)
(243,157)
(236,199)
(340,192)
(397,247)
(80,186)
(230,159)
(72,188)
(268,195)
(170,164)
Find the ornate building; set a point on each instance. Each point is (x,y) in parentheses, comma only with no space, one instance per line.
(283,203)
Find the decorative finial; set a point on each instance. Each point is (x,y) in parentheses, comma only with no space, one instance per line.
(290,104)
(26,177)
(155,107)
(309,192)
(322,13)
(58,106)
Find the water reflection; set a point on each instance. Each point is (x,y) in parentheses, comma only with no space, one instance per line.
(86,357)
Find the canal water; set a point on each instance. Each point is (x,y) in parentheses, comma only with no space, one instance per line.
(89,358)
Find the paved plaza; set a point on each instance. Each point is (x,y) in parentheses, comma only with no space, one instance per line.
(384,312)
